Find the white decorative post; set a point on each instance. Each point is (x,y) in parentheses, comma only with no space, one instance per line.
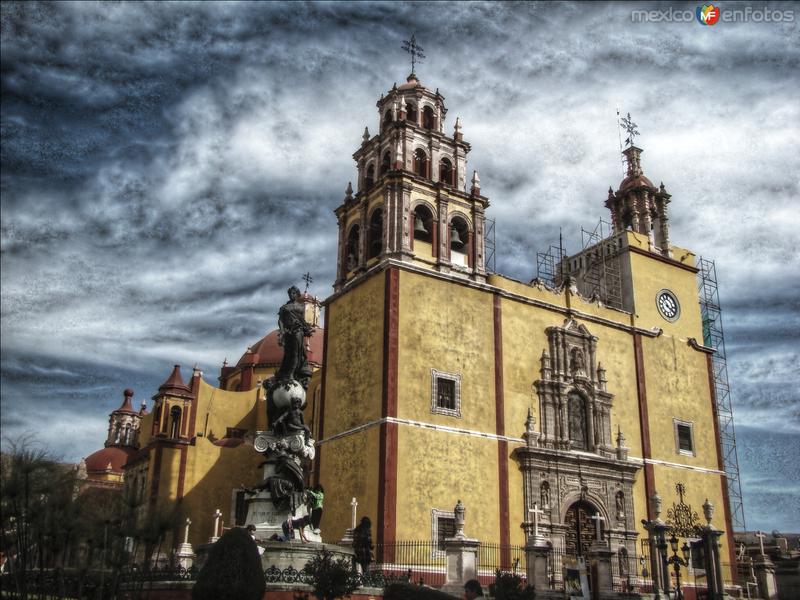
(185,553)
(765,572)
(347,540)
(537,552)
(214,536)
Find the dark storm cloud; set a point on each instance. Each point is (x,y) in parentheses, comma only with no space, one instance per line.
(169,169)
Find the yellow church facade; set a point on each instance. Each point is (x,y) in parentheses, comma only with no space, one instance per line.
(433,365)
(436,380)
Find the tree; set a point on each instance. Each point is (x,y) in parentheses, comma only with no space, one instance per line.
(37,497)
(232,571)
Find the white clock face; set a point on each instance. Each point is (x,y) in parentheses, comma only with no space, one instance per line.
(668,305)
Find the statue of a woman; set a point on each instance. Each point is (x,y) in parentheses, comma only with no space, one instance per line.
(293,330)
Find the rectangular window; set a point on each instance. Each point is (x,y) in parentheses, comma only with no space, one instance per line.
(445,393)
(443,526)
(684,437)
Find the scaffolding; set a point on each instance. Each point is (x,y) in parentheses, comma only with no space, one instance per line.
(489,245)
(547,264)
(711,314)
(602,278)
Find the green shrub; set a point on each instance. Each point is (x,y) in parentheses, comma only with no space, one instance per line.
(232,571)
(508,586)
(331,578)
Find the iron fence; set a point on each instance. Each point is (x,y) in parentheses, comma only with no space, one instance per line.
(424,562)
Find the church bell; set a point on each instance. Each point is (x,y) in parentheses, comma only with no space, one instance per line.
(455,239)
(419,227)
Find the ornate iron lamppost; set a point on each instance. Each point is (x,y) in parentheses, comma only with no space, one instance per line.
(677,562)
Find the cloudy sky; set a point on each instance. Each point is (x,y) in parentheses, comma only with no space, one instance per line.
(169,169)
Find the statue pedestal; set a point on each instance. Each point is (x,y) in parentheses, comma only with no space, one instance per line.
(461,553)
(601,555)
(261,510)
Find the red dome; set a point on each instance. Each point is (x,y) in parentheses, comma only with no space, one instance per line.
(635,181)
(268,353)
(99,461)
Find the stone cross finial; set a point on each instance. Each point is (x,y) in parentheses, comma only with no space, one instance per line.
(354,505)
(761,535)
(536,512)
(598,519)
(186,531)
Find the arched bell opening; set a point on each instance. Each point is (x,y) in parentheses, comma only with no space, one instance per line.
(375,234)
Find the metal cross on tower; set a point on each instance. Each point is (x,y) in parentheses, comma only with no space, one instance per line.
(630,128)
(308,279)
(414,50)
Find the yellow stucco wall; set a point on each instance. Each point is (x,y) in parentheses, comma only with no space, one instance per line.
(348,466)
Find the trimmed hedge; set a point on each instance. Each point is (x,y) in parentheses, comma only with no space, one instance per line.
(232,571)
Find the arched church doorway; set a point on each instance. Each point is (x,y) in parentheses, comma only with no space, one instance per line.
(581,528)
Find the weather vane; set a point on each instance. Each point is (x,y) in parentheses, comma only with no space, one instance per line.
(308,279)
(414,50)
(630,128)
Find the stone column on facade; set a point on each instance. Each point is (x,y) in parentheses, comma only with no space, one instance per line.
(443,254)
(340,255)
(185,553)
(461,554)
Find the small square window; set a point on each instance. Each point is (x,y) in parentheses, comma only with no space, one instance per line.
(445,393)
(684,437)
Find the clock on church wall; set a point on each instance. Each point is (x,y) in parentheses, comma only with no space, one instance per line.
(668,305)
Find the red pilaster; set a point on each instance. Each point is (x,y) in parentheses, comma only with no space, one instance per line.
(387,494)
(641,391)
(500,429)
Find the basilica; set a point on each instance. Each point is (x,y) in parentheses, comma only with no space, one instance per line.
(572,402)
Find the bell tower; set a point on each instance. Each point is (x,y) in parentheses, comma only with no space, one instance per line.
(410,202)
(639,206)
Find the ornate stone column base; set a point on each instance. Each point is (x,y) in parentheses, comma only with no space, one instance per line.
(537,553)
(185,556)
(462,563)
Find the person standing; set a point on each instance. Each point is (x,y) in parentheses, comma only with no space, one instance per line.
(362,544)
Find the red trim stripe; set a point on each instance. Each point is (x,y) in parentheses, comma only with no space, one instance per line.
(500,430)
(387,493)
(641,391)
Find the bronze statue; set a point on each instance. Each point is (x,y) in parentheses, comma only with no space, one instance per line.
(293,330)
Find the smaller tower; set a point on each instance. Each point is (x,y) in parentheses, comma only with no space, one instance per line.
(123,424)
(172,404)
(639,206)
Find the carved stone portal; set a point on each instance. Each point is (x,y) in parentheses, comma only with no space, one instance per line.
(570,469)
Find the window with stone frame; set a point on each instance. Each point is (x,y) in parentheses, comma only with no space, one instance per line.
(445,393)
(684,437)
(443,526)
